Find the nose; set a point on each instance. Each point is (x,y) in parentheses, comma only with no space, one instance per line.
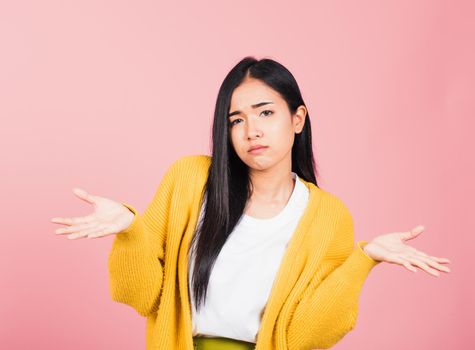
(253,129)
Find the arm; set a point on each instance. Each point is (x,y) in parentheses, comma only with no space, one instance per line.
(328,308)
(135,263)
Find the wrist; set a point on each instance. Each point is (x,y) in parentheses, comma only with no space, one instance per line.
(365,248)
(369,250)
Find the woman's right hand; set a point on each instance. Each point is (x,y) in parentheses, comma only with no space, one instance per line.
(109,217)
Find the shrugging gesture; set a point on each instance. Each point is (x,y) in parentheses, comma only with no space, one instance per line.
(109,217)
(391,248)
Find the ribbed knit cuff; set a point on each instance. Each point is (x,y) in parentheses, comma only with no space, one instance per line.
(356,267)
(133,232)
(360,245)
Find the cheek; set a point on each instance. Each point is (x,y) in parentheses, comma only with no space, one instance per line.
(281,135)
(235,139)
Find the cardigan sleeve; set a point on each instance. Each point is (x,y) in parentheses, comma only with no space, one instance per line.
(136,259)
(328,308)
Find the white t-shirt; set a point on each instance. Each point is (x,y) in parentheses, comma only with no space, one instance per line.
(243,274)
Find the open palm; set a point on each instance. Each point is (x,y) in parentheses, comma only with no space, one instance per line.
(109,217)
(392,248)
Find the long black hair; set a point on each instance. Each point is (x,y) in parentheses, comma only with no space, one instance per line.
(228,186)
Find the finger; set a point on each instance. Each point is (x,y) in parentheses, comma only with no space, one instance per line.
(74,220)
(431,262)
(101,233)
(423,266)
(84,233)
(77,235)
(74,236)
(82,194)
(417,252)
(439,260)
(94,233)
(416,231)
(98,231)
(398,260)
(73,229)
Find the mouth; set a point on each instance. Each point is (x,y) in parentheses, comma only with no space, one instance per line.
(257,149)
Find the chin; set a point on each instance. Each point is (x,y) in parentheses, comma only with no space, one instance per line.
(260,164)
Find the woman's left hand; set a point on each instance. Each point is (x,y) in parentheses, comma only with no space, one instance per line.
(392,249)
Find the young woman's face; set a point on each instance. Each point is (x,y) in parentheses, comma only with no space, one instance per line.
(260,116)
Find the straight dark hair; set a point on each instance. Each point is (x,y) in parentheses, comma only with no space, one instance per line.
(228,186)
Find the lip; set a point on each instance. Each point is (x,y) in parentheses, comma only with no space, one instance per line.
(257,149)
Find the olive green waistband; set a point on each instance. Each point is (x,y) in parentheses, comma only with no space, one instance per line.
(221,343)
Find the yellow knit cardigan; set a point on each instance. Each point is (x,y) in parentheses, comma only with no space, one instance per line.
(314,298)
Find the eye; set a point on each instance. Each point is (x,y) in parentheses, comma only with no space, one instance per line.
(233,122)
(267,112)
(270,112)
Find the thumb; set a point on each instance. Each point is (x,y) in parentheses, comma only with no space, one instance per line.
(416,231)
(83,195)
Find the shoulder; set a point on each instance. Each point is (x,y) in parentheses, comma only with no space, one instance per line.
(343,232)
(193,162)
(190,166)
(336,204)
(339,210)
(333,221)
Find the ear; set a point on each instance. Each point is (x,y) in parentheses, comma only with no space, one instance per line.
(298,119)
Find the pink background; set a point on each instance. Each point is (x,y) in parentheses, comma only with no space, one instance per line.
(104,95)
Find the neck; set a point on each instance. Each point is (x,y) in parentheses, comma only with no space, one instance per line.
(272,185)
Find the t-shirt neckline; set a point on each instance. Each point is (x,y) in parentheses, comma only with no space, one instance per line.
(283,214)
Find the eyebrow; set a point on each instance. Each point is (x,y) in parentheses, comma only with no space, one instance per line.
(257,105)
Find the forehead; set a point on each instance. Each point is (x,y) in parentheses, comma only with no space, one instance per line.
(252,91)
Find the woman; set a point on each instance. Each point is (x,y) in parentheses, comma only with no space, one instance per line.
(242,249)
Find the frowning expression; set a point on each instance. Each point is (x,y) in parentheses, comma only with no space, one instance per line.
(259,116)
